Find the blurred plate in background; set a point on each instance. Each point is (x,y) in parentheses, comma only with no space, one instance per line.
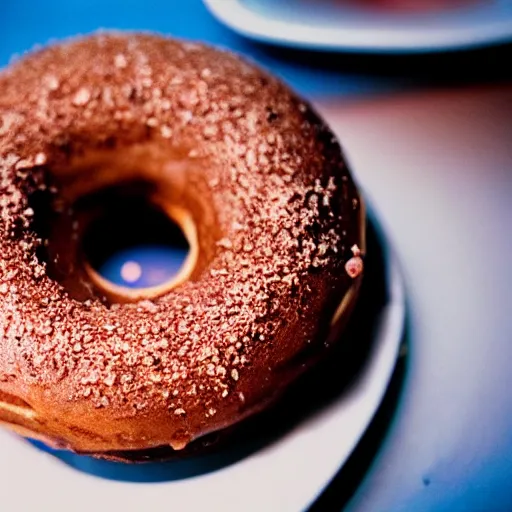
(367,25)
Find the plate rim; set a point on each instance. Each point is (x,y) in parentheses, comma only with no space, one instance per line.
(260,27)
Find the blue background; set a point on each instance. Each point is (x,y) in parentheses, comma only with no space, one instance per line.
(26,23)
(484,484)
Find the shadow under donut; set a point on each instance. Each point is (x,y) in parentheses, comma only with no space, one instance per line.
(329,381)
(347,480)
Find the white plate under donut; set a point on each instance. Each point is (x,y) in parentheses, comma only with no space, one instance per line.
(286,475)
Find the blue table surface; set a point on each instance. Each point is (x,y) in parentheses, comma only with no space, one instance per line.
(26,23)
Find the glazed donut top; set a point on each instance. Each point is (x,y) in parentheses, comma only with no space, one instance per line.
(274,207)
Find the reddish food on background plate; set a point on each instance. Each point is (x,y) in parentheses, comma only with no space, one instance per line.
(411,5)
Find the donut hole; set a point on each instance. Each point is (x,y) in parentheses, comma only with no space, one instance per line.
(136,245)
(120,243)
(134,248)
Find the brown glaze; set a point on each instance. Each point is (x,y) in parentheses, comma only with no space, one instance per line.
(260,182)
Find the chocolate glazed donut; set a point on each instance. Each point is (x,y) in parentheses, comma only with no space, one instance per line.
(259,187)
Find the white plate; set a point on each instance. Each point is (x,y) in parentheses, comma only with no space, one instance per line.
(285,475)
(328,25)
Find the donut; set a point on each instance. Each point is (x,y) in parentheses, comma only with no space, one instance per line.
(256,182)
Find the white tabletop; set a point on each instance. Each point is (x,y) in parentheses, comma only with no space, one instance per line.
(439,169)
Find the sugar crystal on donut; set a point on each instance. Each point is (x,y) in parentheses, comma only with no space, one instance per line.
(251,175)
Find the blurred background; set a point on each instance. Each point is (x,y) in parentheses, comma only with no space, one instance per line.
(420,94)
